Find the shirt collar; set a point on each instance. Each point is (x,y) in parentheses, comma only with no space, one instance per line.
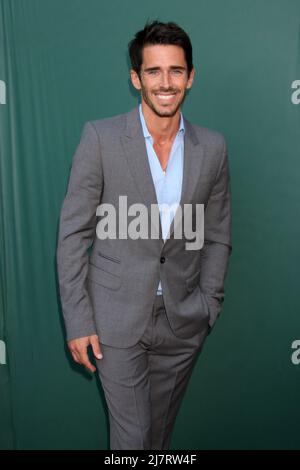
(144,126)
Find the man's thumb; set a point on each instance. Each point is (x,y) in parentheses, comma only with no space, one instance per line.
(96,347)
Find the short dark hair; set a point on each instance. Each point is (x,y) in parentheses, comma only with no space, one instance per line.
(159,33)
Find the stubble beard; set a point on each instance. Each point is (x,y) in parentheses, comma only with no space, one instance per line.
(166,113)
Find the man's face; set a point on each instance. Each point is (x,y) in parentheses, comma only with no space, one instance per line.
(163,79)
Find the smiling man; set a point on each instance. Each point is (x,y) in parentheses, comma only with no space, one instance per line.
(145,305)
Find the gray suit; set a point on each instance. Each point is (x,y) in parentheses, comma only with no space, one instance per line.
(112,291)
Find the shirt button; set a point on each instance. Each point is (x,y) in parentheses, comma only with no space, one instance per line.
(162,259)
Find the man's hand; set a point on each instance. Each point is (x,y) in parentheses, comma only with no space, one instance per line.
(78,348)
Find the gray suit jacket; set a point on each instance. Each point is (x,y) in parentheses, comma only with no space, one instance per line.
(109,290)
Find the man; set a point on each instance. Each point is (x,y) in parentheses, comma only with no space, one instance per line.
(145,304)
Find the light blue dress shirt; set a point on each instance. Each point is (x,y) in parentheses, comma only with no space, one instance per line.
(168,184)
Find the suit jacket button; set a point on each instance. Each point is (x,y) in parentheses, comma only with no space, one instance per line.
(162,259)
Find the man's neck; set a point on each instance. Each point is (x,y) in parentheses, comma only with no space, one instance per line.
(162,129)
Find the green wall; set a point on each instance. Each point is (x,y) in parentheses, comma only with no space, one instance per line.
(64,62)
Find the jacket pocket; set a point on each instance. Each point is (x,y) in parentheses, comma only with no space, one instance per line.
(192,281)
(109,257)
(106,263)
(104,278)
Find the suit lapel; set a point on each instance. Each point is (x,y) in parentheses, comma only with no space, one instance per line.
(134,145)
(192,162)
(136,153)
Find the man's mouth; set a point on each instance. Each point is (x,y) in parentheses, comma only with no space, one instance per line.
(165,96)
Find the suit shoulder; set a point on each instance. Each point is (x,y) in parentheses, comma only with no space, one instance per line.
(109,124)
(209,137)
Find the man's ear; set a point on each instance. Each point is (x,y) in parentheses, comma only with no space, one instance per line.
(190,79)
(135,80)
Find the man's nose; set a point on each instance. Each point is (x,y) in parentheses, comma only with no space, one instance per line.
(165,80)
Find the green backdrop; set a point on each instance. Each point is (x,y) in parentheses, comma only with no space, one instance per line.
(64,62)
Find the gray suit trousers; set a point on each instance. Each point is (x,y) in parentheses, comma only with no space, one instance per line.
(144,384)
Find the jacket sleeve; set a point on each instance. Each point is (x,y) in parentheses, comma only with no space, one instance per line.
(217,239)
(77,227)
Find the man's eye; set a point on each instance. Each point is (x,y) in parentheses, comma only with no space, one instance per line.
(155,73)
